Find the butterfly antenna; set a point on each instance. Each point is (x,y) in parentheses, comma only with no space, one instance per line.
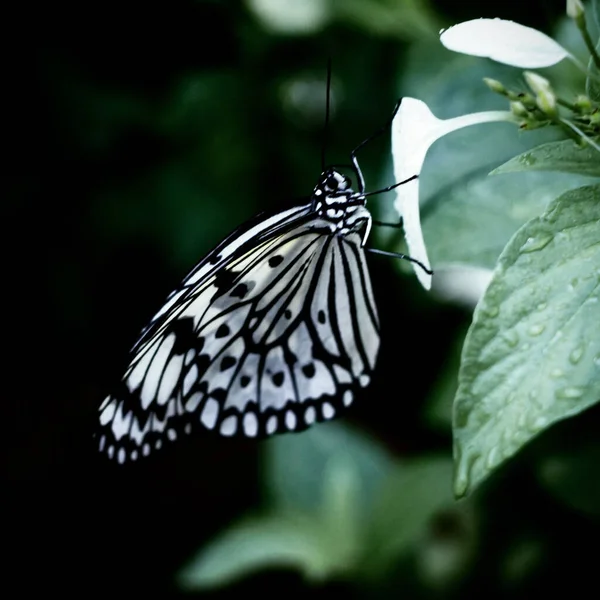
(359,175)
(327,107)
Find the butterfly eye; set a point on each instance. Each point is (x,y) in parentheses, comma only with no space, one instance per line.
(332,182)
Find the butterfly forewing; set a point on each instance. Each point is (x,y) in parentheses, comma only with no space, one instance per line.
(273,331)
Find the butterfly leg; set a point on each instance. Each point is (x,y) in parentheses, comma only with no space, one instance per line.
(402,256)
(398,225)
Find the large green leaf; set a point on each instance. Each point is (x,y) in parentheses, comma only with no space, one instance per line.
(532,354)
(565,156)
(471,224)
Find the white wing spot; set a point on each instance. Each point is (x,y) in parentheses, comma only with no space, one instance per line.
(121,423)
(348,397)
(136,375)
(158,444)
(102,443)
(108,413)
(188,428)
(172,434)
(146,449)
(169,380)
(155,369)
(250,424)
(363,380)
(290,420)
(328,410)
(192,404)
(271,424)
(104,403)
(190,378)
(111,452)
(134,455)
(342,375)
(189,357)
(310,415)
(229,425)
(121,455)
(210,412)
(137,434)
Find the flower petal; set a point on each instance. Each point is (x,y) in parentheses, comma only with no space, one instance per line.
(414,129)
(504,41)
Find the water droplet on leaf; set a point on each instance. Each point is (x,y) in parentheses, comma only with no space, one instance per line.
(536,329)
(538,423)
(533,244)
(491,310)
(493,458)
(511,337)
(570,393)
(576,354)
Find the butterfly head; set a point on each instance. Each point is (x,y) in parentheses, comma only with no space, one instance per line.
(333,183)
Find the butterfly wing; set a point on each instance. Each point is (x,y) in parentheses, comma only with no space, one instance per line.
(272,332)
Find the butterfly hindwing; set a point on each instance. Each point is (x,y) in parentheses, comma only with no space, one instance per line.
(273,331)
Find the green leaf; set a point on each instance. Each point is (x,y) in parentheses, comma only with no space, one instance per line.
(592,83)
(296,466)
(321,485)
(565,156)
(412,494)
(532,354)
(472,224)
(282,540)
(407,20)
(595,4)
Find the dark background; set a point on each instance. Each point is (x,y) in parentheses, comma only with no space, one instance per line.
(137,136)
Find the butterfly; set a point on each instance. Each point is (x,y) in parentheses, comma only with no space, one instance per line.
(274,330)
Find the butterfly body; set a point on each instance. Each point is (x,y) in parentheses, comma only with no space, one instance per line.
(273,331)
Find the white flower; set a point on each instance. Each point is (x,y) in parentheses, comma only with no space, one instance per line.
(504,41)
(414,129)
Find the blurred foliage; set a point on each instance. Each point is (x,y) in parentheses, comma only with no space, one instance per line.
(141,135)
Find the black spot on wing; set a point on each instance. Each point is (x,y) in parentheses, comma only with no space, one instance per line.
(278,378)
(224,280)
(219,394)
(227,363)
(275,260)
(309,370)
(185,337)
(239,291)
(222,331)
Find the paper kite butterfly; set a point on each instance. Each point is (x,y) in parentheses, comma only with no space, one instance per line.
(272,331)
